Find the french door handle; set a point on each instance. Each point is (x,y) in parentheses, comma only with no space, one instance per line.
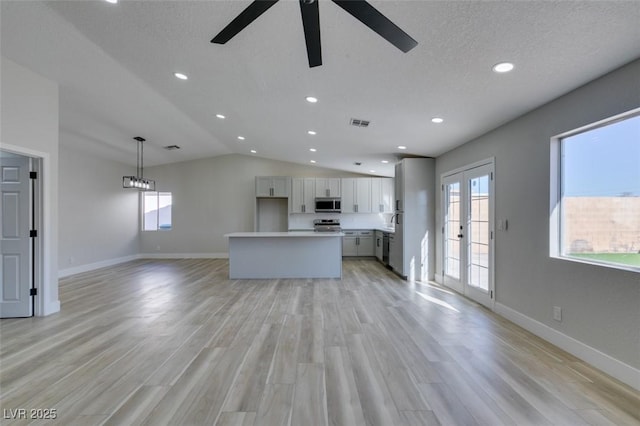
(460,235)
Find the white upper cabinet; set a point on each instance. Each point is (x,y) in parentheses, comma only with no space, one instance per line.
(382,198)
(303,193)
(356,195)
(273,186)
(328,187)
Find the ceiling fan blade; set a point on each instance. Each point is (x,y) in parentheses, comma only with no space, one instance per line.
(375,20)
(311,24)
(247,16)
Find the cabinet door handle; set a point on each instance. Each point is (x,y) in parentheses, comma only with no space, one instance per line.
(355,208)
(326,191)
(304,208)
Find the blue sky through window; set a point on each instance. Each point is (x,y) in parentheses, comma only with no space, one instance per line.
(603,162)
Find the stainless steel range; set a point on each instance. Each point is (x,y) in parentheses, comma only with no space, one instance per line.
(326,225)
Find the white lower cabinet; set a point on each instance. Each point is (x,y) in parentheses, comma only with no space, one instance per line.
(358,243)
(379,245)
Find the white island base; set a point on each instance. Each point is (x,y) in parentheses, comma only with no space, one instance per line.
(266,255)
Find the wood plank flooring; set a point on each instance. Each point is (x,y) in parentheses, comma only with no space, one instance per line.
(174,342)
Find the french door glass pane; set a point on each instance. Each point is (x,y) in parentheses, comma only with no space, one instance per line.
(478,230)
(452,229)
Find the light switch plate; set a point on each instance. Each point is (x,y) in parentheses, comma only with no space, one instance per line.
(557,313)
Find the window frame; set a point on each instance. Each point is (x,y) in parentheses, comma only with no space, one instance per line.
(143,194)
(556,192)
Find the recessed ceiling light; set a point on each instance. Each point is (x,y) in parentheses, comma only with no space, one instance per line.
(372,171)
(312,161)
(241,138)
(220,116)
(503,67)
(437,120)
(311,99)
(180,76)
(402,147)
(385,161)
(111,1)
(253,151)
(311,132)
(312,149)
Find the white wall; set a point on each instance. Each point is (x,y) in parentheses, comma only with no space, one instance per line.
(99,220)
(213,197)
(600,306)
(29,126)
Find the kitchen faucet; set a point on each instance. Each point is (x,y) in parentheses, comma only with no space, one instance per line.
(393,216)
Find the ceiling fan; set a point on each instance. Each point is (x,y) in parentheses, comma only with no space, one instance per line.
(360,9)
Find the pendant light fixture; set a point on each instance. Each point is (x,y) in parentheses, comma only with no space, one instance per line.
(139,181)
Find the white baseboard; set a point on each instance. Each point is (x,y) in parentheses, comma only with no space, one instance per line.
(615,368)
(183,256)
(50,308)
(96,265)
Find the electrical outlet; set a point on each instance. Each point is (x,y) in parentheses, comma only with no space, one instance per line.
(557,313)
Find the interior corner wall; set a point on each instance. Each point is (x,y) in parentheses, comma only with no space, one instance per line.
(213,197)
(29,126)
(600,305)
(99,220)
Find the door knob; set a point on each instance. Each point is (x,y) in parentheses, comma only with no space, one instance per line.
(460,235)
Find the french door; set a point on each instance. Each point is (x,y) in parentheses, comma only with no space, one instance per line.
(468,232)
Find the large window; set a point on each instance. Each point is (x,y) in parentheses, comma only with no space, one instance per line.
(157,211)
(598,193)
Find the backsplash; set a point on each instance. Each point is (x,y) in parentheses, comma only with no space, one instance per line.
(347,220)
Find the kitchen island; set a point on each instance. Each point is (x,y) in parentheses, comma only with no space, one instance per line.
(295,254)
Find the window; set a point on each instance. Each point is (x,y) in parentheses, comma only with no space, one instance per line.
(157,211)
(597,197)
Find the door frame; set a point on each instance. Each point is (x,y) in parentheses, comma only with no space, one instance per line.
(443,209)
(40,253)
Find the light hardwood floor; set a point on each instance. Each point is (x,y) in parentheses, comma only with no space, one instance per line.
(175,342)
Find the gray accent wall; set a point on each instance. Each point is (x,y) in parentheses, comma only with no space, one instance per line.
(99,220)
(600,306)
(29,126)
(213,197)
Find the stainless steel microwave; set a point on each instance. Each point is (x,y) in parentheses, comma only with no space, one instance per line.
(328,205)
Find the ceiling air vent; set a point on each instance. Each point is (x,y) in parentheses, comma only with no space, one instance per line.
(171,147)
(359,123)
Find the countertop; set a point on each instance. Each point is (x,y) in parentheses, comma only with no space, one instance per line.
(283,234)
(388,230)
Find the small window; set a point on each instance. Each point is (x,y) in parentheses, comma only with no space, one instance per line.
(157,211)
(599,193)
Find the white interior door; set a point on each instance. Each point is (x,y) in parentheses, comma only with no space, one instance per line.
(468,232)
(15,265)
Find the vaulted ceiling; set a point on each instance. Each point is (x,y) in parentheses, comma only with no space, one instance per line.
(115,65)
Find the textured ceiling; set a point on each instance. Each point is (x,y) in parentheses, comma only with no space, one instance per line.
(115,66)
